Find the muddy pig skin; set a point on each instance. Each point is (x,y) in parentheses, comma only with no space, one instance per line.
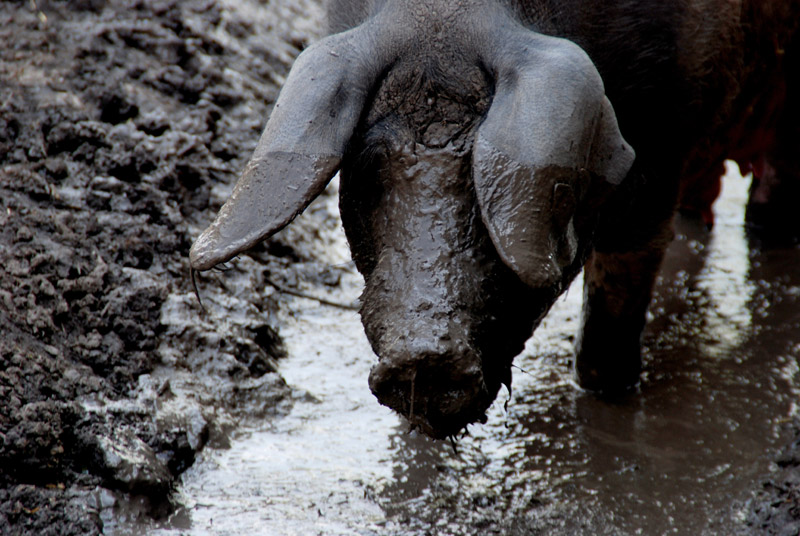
(491,150)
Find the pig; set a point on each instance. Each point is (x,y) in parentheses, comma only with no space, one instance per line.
(490,150)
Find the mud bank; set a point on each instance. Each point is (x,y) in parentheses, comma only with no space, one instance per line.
(123,124)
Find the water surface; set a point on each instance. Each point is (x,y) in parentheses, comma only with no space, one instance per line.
(681,456)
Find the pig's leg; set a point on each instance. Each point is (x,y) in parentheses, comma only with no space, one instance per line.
(775,193)
(617,289)
(618,281)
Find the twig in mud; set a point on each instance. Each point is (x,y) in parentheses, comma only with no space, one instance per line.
(411,411)
(193,276)
(298,294)
(522,369)
(453,443)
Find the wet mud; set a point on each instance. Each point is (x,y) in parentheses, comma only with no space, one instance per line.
(706,446)
(126,410)
(122,126)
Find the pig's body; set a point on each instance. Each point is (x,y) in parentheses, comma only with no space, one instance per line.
(483,166)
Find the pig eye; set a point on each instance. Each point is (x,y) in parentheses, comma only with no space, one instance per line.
(368,157)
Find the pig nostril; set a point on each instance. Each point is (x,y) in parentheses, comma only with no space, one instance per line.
(435,397)
(392,385)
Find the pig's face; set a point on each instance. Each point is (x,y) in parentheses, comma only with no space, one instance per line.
(444,314)
(473,165)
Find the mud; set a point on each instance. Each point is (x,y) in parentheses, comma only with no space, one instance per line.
(123,125)
(695,451)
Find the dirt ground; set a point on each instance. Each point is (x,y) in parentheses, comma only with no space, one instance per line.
(123,124)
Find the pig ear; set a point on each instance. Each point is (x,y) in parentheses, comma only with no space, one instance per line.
(301,147)
(549,118)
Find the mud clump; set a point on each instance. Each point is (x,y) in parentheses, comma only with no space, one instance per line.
(123,124)
(775,508)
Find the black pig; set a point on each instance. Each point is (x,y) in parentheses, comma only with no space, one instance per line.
(483,166)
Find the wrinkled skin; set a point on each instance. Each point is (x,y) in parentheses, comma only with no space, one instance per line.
(483,166)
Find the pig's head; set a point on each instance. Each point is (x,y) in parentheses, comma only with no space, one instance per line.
(474,164)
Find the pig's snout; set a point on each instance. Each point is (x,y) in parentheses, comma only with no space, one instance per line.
(438,393)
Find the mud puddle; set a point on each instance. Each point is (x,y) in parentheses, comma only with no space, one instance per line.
(682,456)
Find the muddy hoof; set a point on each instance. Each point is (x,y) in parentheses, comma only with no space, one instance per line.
(608,384)
(609,374)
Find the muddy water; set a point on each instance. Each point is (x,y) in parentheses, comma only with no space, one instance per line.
(681,456)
